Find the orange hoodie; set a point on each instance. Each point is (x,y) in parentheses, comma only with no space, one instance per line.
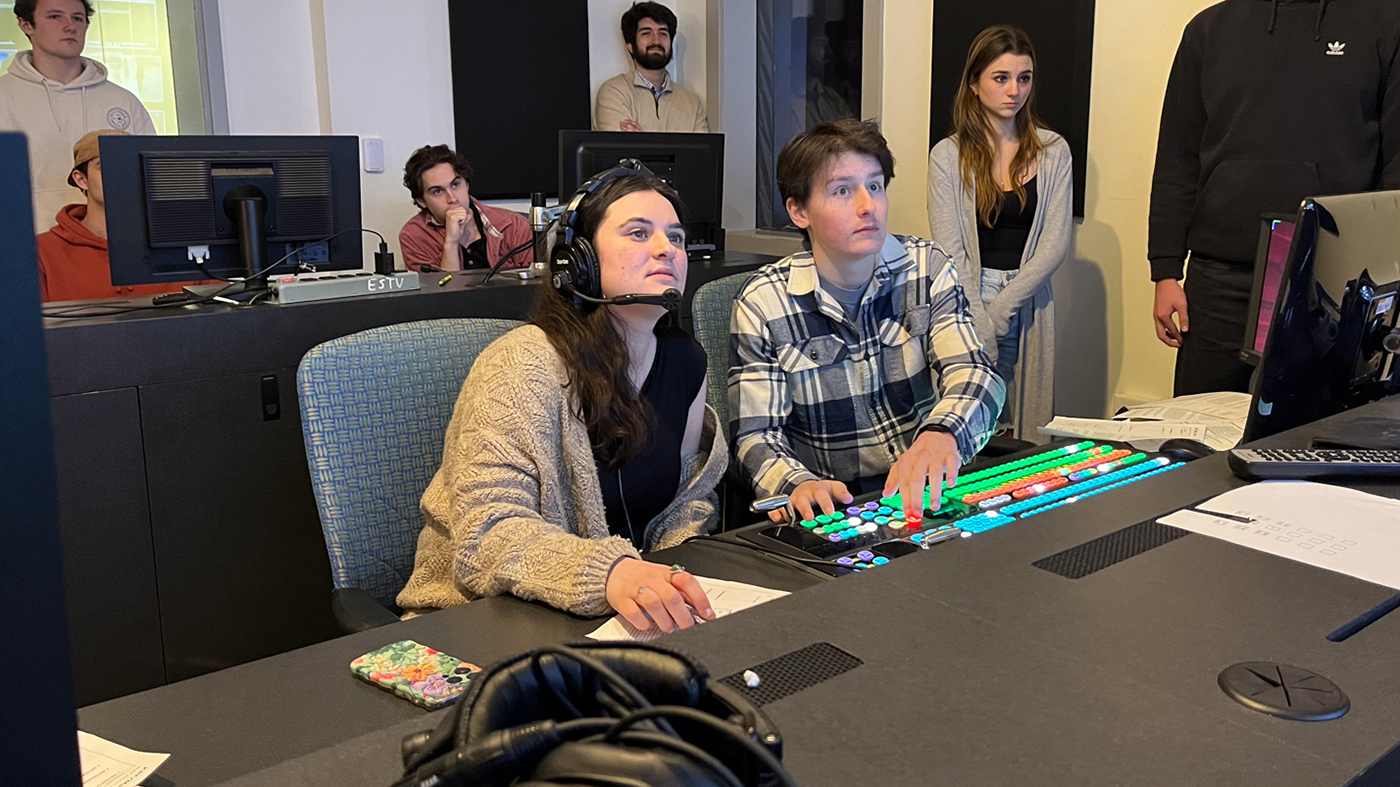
(73,263)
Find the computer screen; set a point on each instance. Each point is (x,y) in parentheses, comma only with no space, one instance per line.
(1275,238)
(1336,312)
(242,203)
(693,164)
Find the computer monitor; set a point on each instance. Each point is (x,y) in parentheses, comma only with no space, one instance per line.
(241,203)
(1333,341)
(1275,238)
(693,164)
(39,725)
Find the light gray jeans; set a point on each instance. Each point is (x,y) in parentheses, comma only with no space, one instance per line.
(1008,346)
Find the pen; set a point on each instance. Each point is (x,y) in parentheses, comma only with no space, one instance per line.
(444,279)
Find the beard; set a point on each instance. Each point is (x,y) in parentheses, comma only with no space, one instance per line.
(651,60)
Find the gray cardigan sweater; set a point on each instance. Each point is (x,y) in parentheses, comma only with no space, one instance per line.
(516,506)
(952,218)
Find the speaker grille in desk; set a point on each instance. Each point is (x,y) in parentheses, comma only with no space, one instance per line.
(792,672)
(1104,551)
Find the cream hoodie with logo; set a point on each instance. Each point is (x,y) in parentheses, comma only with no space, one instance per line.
(55,116)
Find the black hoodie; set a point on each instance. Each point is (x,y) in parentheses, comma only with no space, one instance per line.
(1270,102)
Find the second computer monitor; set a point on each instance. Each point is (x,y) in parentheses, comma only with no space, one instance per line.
(1334,342)
(693,164)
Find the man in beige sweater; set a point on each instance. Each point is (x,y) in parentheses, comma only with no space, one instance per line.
(646,98)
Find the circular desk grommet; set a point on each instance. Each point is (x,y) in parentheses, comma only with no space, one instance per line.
(1284,691)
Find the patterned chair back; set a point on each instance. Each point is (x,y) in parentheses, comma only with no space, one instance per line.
(374,408)
(710,311)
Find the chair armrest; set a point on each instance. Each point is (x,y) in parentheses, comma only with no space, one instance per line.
(355,610)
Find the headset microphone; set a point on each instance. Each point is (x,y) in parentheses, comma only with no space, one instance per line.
(670,300)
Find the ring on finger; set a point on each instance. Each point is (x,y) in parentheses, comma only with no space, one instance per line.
(677,568)
(640,591)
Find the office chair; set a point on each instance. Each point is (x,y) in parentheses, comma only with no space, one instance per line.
(710,310)
(374,408)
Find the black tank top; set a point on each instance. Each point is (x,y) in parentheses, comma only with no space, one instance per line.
(649,482)
(1002,244)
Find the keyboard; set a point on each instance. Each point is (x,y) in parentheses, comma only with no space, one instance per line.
(1297,463)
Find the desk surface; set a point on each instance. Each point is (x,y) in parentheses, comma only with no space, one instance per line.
(1011,675)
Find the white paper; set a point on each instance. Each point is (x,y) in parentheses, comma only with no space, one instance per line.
(1223,414)
(106,764)
(725,598)
(1143,435)
(1326,526)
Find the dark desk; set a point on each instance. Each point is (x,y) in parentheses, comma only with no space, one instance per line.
(191,538)
(293,704)
(979,668)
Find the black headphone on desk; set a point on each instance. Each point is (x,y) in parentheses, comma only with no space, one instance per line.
(595,714)
(573,264)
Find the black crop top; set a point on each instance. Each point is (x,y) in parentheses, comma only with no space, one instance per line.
(649,482)
(1003,244)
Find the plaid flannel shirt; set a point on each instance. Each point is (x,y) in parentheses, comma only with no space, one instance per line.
(812,396)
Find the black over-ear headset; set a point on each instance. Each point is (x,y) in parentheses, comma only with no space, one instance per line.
(600,714)
(573,264)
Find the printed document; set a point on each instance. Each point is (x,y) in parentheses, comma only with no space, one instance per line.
(1331,527)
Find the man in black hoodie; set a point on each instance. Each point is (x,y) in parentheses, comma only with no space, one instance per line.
(1269,101)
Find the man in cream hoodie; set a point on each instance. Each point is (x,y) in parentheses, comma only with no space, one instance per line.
(55,95)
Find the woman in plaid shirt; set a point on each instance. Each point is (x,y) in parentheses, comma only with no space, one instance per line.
(854,367)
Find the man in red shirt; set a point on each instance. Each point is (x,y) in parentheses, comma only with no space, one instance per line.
(452,231)
(73,264)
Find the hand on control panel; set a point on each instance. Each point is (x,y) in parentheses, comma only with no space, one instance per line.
(815,497)
(932,459)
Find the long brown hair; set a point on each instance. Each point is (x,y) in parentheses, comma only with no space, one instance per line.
(590,342)
(974,132)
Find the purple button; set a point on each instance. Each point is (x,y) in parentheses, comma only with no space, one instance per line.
(865,554)
(872,506)
(836,538)
(854,510)
(845,561)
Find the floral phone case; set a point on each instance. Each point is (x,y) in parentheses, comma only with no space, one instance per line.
(423,676)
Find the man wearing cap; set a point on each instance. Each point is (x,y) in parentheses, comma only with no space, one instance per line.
(73,261)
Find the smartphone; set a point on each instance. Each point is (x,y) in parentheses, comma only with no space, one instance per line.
(425,677)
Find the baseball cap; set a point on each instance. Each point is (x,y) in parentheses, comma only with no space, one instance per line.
(85,149)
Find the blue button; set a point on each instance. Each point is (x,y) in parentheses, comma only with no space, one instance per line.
(884,510)
(880,561)
(868,516)
(882,520)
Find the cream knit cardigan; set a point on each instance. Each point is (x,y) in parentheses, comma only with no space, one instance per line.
(516,506)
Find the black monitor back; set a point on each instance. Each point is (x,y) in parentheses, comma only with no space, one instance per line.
(38,723)
(693,164)
(166,194)
(1338,301)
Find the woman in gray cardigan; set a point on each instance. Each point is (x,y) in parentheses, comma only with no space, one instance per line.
(999,197)
(582,440)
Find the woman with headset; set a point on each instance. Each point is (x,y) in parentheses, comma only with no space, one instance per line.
(582,439)
(999,196)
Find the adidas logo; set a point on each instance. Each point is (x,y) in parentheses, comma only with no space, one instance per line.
(1336,48)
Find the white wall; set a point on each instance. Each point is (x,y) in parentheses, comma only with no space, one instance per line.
(269,66)
(392,82)
(607,53)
